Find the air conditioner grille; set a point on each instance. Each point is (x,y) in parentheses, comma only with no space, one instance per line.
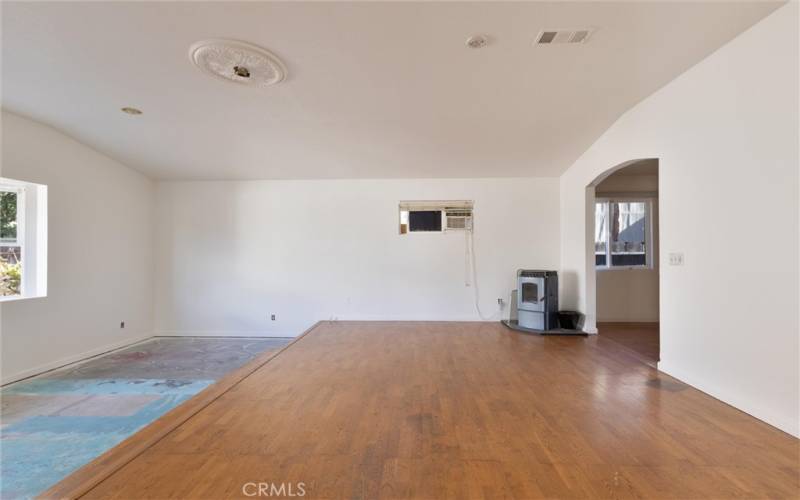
(458,219)
(456,223)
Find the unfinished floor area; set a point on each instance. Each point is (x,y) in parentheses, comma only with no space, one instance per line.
(456,410)
(58,422)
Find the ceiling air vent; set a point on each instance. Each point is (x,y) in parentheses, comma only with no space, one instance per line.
(560,37)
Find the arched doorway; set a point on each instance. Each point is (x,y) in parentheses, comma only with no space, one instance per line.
(623,255)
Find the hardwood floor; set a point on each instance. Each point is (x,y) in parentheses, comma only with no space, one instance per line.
(461,410)
(642,338)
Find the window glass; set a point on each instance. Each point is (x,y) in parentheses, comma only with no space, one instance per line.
(403,221)
(530,293)
(10,248)
(627,233)
(8,216)
(600,233)
(425,220)
(620,238)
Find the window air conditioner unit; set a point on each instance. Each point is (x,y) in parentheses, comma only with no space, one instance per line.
(458,219)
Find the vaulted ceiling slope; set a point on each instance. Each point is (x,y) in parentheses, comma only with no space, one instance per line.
(374,90)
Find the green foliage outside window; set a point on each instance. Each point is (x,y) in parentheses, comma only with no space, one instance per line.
(10,268)
(10,278)
(8,215)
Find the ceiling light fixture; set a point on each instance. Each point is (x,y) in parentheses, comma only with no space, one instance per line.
(131,111)
(239,62)
(477,41)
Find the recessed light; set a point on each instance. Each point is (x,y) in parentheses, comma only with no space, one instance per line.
(477,41)
(131,111)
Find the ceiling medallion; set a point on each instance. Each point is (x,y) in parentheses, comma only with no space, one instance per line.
(239,62)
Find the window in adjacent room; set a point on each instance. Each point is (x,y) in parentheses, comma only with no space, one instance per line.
(23,240)
(622,237)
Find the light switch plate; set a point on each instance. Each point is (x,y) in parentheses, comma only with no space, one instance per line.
(676,259)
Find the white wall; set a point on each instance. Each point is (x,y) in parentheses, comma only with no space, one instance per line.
(726,133)
(622,183)
(630,295)
(100,252)
(229,254)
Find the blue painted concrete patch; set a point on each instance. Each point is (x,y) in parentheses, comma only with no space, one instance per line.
(40,450)
(60,421)
(33,463)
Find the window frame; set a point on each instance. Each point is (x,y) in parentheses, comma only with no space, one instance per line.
(648,234)
(32,219)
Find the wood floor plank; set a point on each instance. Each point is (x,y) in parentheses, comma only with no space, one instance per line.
(462,410)
(642,338)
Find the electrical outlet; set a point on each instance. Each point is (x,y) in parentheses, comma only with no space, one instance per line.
(676,259)
(272,317)
(122,324)
(501,303)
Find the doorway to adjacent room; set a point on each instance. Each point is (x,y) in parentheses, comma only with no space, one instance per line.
(626,257)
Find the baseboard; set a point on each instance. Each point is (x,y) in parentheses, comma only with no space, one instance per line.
(629,321)
(69,360)
(226,334)
(455,319)
(786,425)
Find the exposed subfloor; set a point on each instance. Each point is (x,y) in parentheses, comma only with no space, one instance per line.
(53,424)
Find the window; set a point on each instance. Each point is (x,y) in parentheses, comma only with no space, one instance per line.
(11,234)
(622,236)
(425,220)
(23,240)
(435,216)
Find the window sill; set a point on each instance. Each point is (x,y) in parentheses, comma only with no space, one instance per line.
(446,231)
(15,298)
(625,268)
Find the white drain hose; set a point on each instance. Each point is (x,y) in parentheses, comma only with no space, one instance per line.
(473,266)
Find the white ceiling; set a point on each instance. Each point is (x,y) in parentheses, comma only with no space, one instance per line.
(375,90)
